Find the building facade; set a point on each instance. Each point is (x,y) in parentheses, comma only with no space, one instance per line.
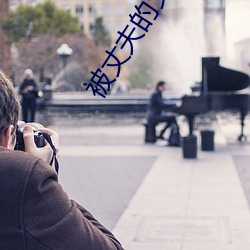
(114,13)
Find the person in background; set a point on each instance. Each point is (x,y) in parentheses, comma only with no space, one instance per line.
(29,92)
(35,212)
(155,107)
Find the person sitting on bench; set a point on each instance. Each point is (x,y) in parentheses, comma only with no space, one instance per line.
(155,107)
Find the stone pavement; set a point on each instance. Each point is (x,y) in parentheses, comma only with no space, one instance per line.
(184,204)
(189,204)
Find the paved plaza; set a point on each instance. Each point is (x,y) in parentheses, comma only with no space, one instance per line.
(149,195)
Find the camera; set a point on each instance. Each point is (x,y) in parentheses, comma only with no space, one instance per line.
(38,137)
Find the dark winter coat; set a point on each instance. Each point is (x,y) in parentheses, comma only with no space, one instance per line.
(36,214)
(32,93)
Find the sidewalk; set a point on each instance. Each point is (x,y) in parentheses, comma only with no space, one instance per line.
(175,204)
(185,204)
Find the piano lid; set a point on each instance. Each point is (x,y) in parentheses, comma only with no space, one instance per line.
(218,78)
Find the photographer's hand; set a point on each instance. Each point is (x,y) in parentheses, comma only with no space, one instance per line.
(45,153)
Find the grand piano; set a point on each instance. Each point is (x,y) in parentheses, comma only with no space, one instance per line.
(220,89)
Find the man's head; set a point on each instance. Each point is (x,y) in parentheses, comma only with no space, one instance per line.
(9,112)
(161,86)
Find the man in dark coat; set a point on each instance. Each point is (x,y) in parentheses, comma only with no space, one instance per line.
(35,212)
(155,107)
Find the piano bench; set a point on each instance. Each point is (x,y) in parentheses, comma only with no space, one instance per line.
(150,132)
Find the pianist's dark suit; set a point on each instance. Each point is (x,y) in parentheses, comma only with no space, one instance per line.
(154,110)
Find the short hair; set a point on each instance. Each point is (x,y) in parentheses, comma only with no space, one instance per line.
(28,72)
(159,84)
(9,104)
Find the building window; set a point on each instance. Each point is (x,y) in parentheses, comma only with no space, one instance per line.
(119,9)
(91,27)
(92,10)
(67,8)
(79,10)
(108,25)
(81,26)
(119,25)
(105,9)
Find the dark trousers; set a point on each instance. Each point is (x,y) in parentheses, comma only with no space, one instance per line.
(29,109)
(168,119)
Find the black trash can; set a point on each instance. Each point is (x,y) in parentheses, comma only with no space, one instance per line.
(189,146)
(150,134)
(207,140)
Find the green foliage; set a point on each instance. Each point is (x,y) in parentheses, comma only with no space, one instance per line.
(141,75)
(42,18)
(100,34)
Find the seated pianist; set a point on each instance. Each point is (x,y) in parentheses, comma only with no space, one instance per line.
(155,107)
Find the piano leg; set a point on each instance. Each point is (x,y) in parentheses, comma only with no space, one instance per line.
(243,114)
(190,123)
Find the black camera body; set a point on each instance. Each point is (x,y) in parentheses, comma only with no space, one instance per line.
(38,138)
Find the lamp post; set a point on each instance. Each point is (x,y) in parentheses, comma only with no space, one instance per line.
(64,51)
